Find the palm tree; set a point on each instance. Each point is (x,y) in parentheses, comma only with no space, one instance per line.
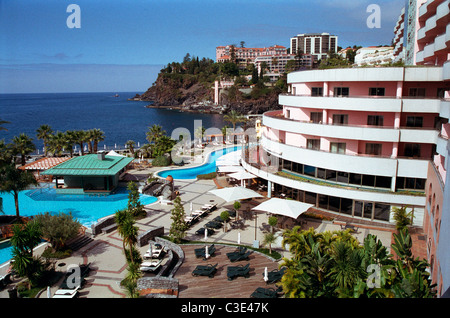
(130,144)
(5,153)
(146,150)
(81,138)
(155,132)
(97,136)
(71,139)
(13,181)
(3,122)
(23,146)
(44,132)
(57,143)
(234,117)
(269,239)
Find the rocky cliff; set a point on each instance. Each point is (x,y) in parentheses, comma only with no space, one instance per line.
(184,91)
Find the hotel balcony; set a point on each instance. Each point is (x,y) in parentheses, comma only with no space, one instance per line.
(366,103)
(276,120)
(359,163)
(441,44)
(435,24)
(349,192)
(428,9)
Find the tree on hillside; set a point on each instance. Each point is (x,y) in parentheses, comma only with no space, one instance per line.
(178,227)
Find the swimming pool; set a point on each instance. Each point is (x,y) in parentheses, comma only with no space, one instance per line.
(85,208)
(192,173)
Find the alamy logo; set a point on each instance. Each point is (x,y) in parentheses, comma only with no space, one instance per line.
(374,19)
(74,278)
(374,278)
(74,19)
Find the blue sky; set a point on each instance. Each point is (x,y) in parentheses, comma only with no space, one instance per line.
(122,45)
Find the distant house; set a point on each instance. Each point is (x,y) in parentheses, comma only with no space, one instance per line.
(89,174)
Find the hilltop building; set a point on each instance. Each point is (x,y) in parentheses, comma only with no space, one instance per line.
(316,44)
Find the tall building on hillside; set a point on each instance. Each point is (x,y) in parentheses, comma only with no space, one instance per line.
(317,44)
(386,144)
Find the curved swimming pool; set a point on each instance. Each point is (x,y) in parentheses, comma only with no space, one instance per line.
(207,167)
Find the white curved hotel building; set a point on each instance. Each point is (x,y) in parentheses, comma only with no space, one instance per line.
(356,141)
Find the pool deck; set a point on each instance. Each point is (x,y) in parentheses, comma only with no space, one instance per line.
(105,252)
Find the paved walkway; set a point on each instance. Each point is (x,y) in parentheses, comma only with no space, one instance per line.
(105,253)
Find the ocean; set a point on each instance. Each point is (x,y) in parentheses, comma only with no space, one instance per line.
(121,120)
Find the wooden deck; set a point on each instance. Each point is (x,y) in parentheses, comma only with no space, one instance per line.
(220,286)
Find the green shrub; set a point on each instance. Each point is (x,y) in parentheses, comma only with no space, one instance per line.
(207,176)
(161,161)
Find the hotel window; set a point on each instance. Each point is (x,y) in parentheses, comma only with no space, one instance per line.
(317,91)
(417,92)
(339,119)
(374,120)
(414,121)
(341,91)
(337,147)
(316,117)
(313,144)
(376,91)
(373,149)
(412,150)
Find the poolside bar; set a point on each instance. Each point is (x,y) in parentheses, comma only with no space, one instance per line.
(89,174)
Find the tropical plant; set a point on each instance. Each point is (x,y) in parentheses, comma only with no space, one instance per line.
(44,132)
(6,155)
(134,206)
(57,143)
(154,133)
(234,117)
(128,231)
(269,239)
(178,227)
(81,137)
(25,238)
(237,206)
(13,181)
(402,217)
(22,145)
(130,145)
(225,217)
(330,264)
(96,135)
(58,228)
(273,221)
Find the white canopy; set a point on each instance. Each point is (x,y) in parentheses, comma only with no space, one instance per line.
(113,153)
(235,193)
(241,175)
(227,169)
(290,208)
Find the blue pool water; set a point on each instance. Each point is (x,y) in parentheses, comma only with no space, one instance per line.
(5,252)
(208,167)
(86,209)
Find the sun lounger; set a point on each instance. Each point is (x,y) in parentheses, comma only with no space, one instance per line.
(261,292)
(157,249)
(237,256)
(150,266)
(66,293)
(199,213)
(275,275)
(202,230)
(201,252)
(205,270)
(236,271)
(209,207)
(213,224)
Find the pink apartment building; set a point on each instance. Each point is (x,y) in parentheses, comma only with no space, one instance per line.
(358,142)
(245,55)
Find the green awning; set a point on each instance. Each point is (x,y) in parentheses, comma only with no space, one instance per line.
(90,165)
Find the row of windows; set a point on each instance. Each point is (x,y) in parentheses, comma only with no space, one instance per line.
(372,120)
(354,208)
(352,178)
(376,91)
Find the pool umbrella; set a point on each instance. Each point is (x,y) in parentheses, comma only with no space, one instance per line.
(49,293)
(289,208)
(235,193)
(242,175)
(266,274)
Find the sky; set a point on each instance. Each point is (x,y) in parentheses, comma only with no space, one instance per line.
(120,46)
